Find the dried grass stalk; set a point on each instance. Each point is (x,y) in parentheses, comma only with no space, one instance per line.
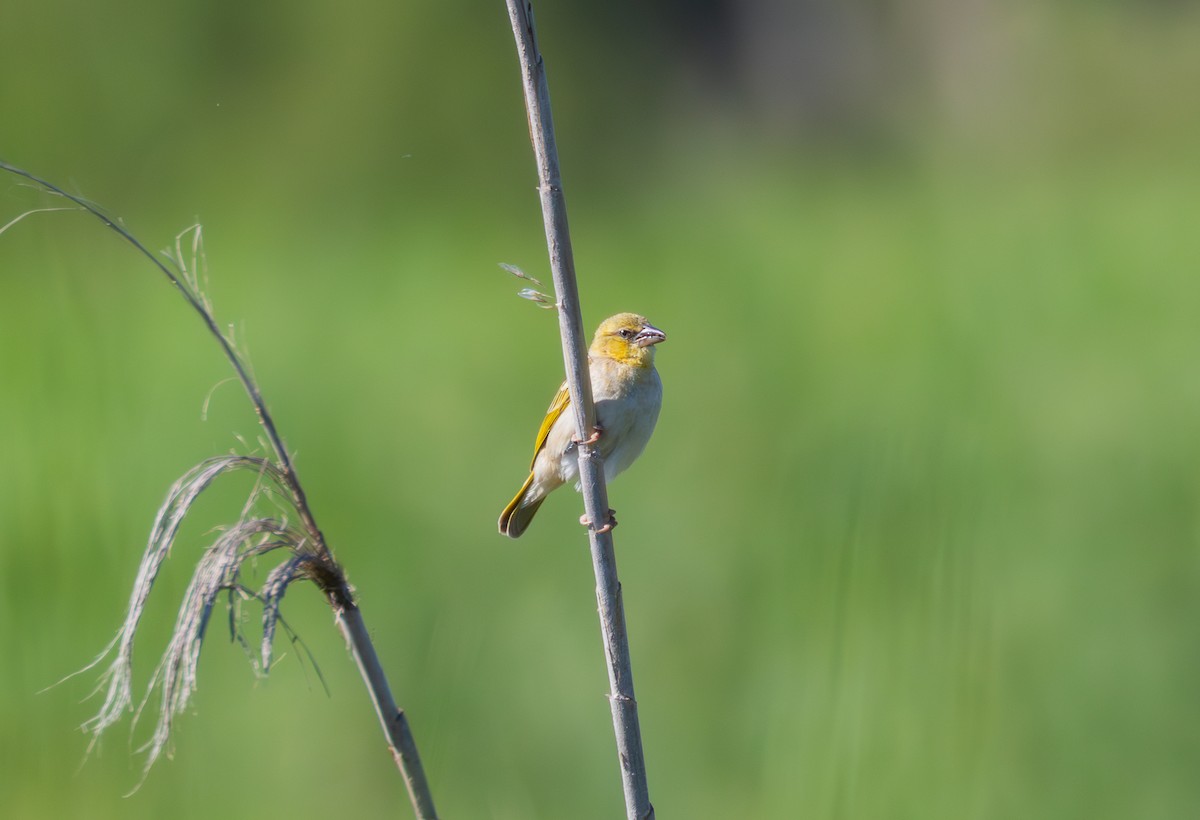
(219,569)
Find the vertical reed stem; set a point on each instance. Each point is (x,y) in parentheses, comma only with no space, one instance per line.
(591,468)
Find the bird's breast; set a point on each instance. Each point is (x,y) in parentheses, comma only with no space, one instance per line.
(627,413)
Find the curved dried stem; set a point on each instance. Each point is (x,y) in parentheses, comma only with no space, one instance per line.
(184,284)
(219,569)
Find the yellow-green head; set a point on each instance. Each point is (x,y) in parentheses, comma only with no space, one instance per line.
(627,338)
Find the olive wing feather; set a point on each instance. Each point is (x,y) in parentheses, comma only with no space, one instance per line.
(562,400)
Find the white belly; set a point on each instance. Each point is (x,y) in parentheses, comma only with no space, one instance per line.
(628,424)
(626,416)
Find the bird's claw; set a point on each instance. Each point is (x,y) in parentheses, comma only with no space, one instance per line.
(592,439)
(608,525)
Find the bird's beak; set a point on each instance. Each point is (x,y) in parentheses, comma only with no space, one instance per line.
(649,335)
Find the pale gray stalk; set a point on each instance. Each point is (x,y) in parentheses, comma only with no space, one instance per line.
(220,567)
(591,468)
(391,717)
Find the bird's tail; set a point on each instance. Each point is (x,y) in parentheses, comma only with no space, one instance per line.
(520,510)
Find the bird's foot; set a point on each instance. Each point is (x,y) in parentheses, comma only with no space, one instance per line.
(612,522)
(592,439)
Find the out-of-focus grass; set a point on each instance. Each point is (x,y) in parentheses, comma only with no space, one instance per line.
(916,536)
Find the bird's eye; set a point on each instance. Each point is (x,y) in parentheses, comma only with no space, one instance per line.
(625,333)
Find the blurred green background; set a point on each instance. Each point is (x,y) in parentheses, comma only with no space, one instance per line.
(917,534)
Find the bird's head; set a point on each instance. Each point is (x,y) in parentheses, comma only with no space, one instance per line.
(627,338)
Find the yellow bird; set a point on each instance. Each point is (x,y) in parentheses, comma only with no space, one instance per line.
(628,396)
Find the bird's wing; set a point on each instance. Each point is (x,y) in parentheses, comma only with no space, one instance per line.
(562,400)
